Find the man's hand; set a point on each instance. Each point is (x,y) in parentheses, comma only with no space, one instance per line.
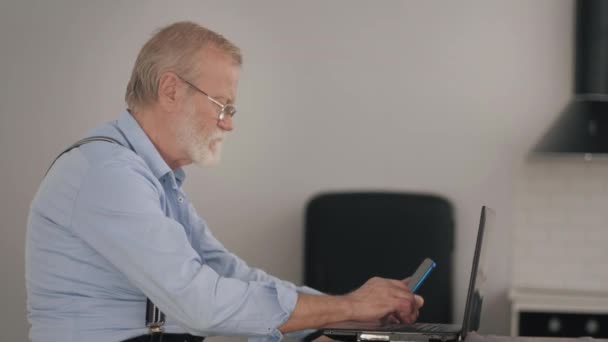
(386,300)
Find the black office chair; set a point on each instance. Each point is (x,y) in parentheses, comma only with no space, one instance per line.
(351,237)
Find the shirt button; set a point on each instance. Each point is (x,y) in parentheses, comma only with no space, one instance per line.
(180,199)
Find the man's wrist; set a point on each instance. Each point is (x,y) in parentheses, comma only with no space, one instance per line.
(346,306)
(316,311)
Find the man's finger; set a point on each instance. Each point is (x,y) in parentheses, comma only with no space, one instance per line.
(406,281)
(419,301)
(399,284)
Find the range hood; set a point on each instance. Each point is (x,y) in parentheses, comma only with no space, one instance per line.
(582,128)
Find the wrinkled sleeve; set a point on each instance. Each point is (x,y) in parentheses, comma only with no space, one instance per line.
(230,265)
(118,213)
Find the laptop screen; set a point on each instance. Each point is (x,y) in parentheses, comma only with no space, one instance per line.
(479,273)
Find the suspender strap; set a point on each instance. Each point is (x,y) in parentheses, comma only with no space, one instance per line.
(155,319)
(82,142)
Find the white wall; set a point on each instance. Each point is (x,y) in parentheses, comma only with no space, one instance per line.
(560,225)
(439,96)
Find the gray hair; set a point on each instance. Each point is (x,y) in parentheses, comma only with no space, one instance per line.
(172,48)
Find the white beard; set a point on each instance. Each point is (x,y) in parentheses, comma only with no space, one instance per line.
(206,151)
(202,149)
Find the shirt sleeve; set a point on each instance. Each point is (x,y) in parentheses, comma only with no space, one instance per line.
(230,265)
(227,264)
(118,213)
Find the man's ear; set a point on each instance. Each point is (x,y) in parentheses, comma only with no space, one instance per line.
(168,91)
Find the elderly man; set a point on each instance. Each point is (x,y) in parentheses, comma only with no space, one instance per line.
(115,251)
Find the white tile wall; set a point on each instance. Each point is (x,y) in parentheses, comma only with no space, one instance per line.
(561,225)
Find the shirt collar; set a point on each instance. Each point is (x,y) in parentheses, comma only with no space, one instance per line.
(144,148)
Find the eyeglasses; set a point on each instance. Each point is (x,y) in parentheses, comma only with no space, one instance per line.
(224,108)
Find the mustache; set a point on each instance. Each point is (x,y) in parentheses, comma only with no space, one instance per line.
(216,135)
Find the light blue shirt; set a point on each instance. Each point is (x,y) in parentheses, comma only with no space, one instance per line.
(109,226)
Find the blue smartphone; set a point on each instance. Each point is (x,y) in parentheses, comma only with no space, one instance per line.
(421,273)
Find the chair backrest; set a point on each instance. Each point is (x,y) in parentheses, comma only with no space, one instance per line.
(351,237)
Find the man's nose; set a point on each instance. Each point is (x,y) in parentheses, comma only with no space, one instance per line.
(226,123)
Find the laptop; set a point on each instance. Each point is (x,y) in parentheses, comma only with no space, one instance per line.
(362,331)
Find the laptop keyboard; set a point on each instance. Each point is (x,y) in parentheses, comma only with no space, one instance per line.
(423,327)
(427,327)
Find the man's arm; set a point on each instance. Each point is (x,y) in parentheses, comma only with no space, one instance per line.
(226,263)
(376,299)
(218,257)
(313,311)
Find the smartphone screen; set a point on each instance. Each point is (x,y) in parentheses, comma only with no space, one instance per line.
(421,273)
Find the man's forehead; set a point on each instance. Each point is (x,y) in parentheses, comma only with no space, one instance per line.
(218,71)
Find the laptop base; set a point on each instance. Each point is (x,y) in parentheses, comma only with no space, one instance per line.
(370,332)
(366,337)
